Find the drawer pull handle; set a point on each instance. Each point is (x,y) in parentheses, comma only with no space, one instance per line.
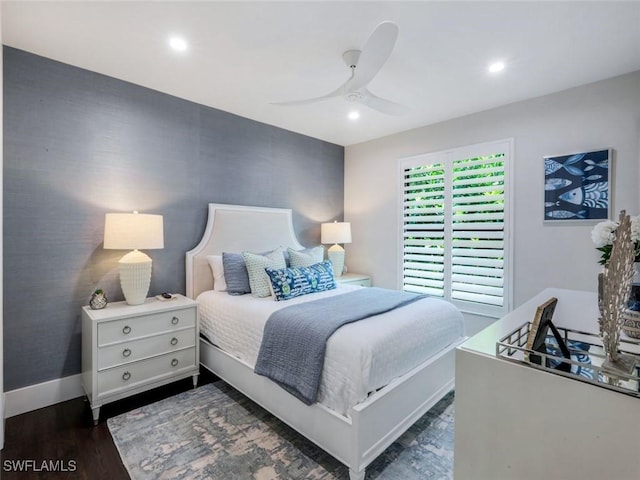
(174,341)
(174,362)
(126,376)
(126,352)
(126,330)
(175,320)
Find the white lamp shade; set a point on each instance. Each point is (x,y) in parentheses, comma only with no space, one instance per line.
(133,231)
(336,232)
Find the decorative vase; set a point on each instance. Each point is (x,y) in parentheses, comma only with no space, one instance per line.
(631,325)
(98,300)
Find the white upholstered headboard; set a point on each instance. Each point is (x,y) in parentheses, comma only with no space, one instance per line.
(236,228)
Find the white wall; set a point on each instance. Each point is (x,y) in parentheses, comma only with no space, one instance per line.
(600,115)
(1,270)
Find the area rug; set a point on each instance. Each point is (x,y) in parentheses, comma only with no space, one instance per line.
(214,432)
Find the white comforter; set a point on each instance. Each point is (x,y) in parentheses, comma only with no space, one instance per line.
(361,357)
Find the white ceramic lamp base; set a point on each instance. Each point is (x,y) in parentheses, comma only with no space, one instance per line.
(135,276)
(336,255)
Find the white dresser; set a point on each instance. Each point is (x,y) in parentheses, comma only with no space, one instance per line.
(127,349)
(516,422)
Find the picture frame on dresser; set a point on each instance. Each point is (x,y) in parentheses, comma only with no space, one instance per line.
(538,332)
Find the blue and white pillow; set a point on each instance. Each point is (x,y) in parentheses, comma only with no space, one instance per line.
(306,257)
(287,283)
(256,265)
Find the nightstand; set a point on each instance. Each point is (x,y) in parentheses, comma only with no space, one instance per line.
(354,279)
(127,349)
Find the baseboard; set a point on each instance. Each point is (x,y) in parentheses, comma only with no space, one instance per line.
(33,397)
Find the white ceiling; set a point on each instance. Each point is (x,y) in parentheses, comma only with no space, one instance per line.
(244,55)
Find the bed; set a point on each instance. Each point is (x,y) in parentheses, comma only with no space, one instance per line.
(354,427)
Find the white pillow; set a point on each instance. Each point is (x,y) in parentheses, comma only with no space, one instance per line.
(215,262)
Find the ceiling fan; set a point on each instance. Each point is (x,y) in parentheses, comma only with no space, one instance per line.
(364,65)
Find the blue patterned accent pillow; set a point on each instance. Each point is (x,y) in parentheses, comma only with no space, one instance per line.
(287,283)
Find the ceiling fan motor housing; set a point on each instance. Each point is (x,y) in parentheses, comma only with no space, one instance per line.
(351,57)
(354,96)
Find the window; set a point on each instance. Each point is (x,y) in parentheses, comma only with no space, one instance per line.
(455,226)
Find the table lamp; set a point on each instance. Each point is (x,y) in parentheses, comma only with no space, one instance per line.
(336,232)
(134,231)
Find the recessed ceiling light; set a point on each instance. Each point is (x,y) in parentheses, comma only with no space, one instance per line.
(354,115)
(496,67)
(179,44)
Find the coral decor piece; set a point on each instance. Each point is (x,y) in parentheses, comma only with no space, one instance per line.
(616,286)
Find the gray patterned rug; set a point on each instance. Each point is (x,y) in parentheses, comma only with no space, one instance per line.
(214,432)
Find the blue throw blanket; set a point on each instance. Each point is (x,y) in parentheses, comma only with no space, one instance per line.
(295,337)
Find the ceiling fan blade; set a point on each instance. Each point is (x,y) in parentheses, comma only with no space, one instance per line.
(374,55)
(382,105)
(338,92)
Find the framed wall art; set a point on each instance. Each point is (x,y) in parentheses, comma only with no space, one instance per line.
(578,186)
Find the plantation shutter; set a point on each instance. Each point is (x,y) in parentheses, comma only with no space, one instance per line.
(477,237)
(455,227)
(423,242)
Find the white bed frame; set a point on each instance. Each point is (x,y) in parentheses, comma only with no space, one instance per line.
(371,426)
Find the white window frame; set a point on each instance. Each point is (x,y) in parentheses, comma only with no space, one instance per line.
(447,157)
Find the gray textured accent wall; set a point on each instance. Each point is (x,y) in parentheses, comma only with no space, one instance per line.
(77,145)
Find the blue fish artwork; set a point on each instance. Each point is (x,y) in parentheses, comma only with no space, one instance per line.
(556,183)
(591,164)
(552,166)
(592,195)
(563,214)
(577,186)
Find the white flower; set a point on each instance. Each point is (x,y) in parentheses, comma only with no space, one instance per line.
(635,229)
(604,233)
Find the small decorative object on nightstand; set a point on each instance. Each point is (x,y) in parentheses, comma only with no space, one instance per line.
(355,279)
(98,300)
(129,349)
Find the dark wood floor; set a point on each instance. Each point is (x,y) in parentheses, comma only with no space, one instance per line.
(63,435)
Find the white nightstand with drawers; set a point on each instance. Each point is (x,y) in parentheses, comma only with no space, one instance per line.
(354,279)
(127,349)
